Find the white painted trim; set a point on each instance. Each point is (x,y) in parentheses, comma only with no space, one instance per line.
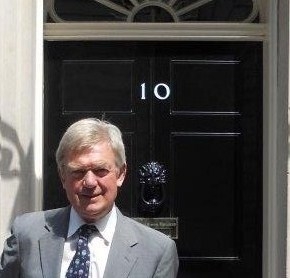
(276,62)
(155,31)
(38,108)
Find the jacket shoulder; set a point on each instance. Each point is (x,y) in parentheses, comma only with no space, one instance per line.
(33,220)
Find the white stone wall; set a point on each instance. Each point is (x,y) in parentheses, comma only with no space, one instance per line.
(19,98)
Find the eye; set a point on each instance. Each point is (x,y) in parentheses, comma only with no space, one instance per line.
(78,173)
(101,172)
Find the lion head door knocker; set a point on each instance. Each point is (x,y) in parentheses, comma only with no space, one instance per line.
(152,178)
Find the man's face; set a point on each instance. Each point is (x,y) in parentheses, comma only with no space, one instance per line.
(91,179)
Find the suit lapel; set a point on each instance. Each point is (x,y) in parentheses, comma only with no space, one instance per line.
(121,257)
(51,244)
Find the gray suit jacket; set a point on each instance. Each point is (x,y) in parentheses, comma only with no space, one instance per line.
(35,248)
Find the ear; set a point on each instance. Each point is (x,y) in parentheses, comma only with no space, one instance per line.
(61,176)
(121,175)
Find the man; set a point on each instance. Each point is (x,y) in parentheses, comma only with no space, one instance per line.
(56,243)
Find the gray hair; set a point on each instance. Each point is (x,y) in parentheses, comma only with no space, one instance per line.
(86,133)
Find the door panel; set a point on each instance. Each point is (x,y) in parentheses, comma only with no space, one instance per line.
(83,80)
(193,107)
(215,231)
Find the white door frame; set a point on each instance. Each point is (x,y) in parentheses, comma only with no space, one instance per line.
(274,34)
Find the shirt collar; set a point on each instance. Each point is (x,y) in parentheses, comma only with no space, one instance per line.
(105,225)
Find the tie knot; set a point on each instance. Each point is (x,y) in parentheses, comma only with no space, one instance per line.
(86,230)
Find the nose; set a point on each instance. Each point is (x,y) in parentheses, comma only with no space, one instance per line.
(90,179)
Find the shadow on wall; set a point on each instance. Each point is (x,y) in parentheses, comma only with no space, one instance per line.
(17,170)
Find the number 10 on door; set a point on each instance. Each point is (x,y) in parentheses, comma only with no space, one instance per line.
(161,91)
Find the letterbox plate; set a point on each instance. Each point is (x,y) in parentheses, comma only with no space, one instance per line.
(166,225)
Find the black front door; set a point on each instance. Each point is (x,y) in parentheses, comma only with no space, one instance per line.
(191,115)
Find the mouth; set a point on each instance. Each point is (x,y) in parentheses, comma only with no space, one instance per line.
(86,199)
(89,195)
(86,195)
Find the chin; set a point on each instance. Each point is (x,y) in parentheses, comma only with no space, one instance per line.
(93,208)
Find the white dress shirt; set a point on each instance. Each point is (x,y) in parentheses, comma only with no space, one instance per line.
(99,243)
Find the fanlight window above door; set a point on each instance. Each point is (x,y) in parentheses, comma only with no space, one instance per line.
(173,11)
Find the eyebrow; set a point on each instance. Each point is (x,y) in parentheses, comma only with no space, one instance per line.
(99,164)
